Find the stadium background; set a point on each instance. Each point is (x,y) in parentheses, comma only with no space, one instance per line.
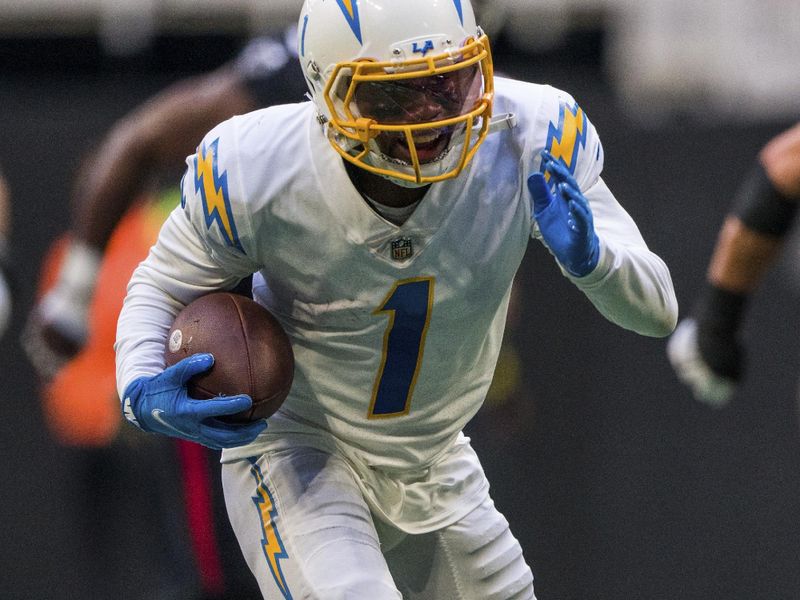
(617,483)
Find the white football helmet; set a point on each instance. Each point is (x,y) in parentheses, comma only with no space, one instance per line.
(404,89)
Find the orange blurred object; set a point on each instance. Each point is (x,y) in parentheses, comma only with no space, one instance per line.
(80,404)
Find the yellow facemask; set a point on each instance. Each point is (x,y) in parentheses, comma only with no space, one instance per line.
(415,121)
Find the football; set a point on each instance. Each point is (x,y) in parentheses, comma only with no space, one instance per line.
(252,353)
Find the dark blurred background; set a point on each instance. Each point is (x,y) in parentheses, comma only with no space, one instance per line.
(618,484)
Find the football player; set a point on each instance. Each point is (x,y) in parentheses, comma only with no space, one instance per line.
(705,349)
(384,221)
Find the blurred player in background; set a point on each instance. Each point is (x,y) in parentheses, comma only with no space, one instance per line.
(706,350)
(5,232)
(117,212)
(384,222)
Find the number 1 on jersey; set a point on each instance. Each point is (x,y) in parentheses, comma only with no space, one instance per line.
(408,306)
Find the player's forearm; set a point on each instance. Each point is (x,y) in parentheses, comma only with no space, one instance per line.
(155,297)
(742,257)
(154,139)
(108,183)
(753,233)
(142,328)
(632,288)
(178,270)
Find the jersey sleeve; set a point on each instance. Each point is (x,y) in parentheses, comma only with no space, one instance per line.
(631,286)
(569,136)
(204,246)
(214,203)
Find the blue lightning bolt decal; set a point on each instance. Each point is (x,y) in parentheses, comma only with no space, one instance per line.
(350,11)
(213,189)
(271,542)
(565,139)
(460,10)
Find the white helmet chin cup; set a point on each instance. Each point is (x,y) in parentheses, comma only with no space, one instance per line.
(343,44)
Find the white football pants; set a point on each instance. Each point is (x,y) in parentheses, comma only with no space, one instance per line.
(308,534)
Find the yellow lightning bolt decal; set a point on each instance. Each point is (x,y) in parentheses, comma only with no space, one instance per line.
(271,541)
(350,10)
(348,6)
(213,188)
(565,138)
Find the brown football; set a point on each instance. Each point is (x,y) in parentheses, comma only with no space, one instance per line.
(252,353)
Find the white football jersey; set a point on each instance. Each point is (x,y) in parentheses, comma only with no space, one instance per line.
(395,329)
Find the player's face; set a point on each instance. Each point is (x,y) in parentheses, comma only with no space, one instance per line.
(420,100)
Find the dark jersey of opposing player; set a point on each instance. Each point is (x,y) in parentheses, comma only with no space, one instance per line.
(270,69)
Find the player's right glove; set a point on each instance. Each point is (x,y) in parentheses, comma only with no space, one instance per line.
(705,351)
(57,327)
(161,404)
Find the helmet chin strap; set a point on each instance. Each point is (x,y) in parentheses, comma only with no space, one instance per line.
(502,122)
(405,183)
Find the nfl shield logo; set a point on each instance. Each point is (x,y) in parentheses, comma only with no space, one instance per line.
(402,248)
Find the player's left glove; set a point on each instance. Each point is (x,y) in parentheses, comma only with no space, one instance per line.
(564,218)
(686,358)
(705,350)
(161,404)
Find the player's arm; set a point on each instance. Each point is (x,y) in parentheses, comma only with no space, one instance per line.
(594,240)
(705,350)
(752,236)
(156,136)
(193,256)
(600,248)
(179,269)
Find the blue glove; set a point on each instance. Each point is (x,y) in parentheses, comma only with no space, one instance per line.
(564,218)
(161,404)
